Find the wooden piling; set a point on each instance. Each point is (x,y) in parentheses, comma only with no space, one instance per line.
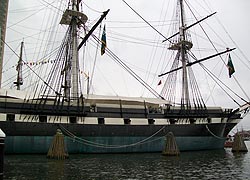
(57,147)
(2,138)
(239,144)
(171,148)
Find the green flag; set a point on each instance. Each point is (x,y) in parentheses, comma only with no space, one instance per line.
(230,66)
(104,44)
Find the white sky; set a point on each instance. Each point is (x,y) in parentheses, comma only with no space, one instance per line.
(27,18)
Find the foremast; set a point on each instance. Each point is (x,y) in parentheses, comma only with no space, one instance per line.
(73,18)
(75,57)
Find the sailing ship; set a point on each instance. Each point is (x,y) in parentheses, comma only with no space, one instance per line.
(113,124)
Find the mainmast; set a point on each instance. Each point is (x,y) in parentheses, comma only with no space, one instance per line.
(19,80)
(185,91)
(182,45)
(181,42)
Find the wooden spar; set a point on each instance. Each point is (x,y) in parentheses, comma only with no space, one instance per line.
(189,26)
(92,29)
(2,139)
(198,61)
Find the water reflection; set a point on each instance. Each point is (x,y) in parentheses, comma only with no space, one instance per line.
(189,165)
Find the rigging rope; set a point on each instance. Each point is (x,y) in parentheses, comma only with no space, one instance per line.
(145,20)
(27,17)
(168,90)
(154,52)
(234,42)
(129,70)
(241,88)
(220,58)
(54,16)
(94,144)
(204,30)
(216,79)
(91,8)
(223,138)
(29,67)
(93,70)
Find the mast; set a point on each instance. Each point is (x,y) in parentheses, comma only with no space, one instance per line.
(73,18)
(181,42)
(75,57)
(185,91)
(182,45)
(19,80)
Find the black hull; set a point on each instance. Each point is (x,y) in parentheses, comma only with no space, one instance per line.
(34,137)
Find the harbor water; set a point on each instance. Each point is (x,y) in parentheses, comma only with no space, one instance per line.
(217,164)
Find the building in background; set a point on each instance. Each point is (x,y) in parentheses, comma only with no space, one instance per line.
(3,23)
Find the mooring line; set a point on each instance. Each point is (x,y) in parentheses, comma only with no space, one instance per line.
(214,134)
(114,147)
(99,145)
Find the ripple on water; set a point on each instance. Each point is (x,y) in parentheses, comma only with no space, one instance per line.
(189,165)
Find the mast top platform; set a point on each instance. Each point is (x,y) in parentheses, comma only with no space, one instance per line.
(177,46)
(68,14)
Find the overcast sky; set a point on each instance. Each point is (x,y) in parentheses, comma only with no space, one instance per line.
(135,42)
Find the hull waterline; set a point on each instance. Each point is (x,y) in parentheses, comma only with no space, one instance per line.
(23,138)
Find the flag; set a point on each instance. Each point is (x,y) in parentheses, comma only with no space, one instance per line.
(159,83)
(104,44)
(230,66)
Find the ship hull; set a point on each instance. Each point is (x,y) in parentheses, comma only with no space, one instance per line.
(34,137)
